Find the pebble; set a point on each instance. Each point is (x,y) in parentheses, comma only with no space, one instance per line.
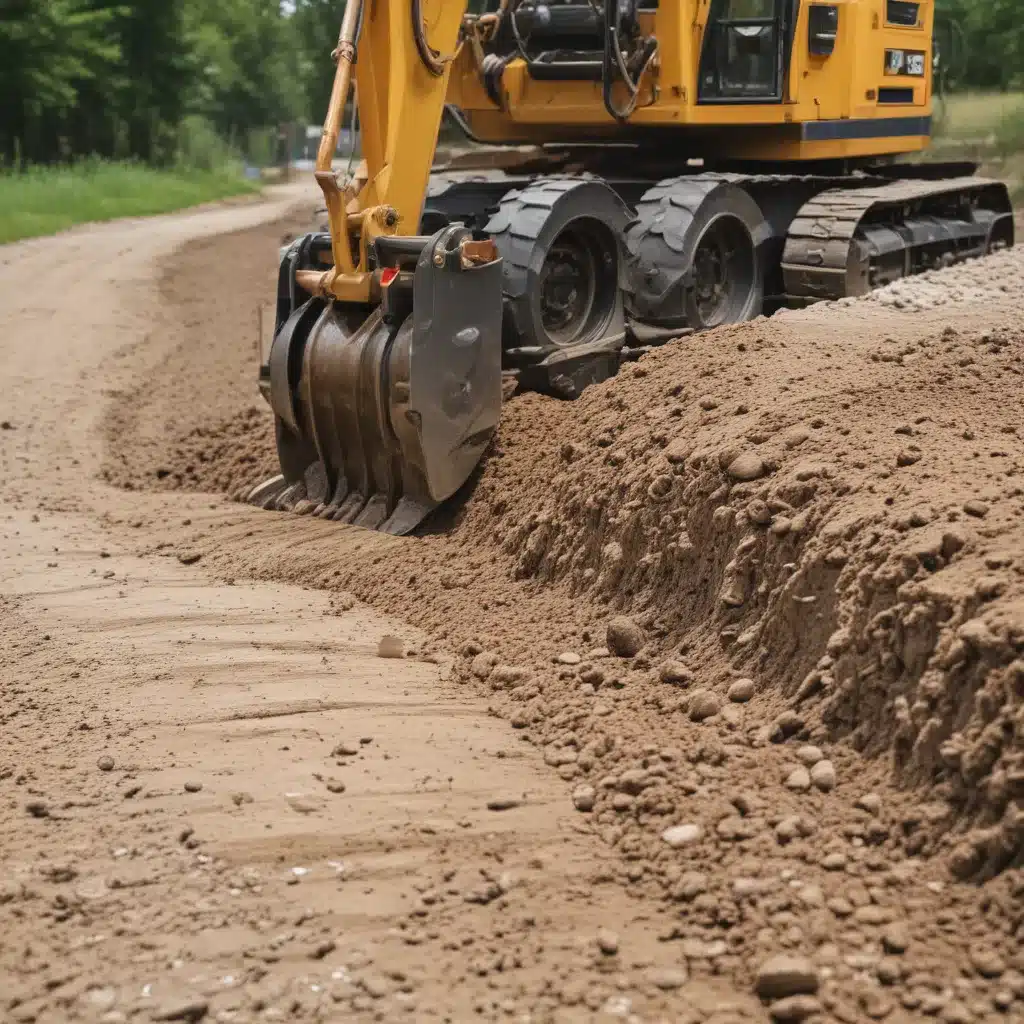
(987,962)
(799,780)
(809,755)
(105,763)
(568,658)
(888,970)
(503,803)
(192,786)
(896,938)
(835,861)
(976,508)
(823,775)
(607,942)
(794,1008)
(704,704)
(346,748)
(188,1008)
(390,647)
(870,802)
(784,975)
(746,466)
(667,978)
(682,835)
(624,637)
(789,723)
(304,804)
(741,691)
(320,949)
(583,798)
(675,673)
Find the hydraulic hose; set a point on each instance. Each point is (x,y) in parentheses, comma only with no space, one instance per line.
(432,60)
(615,64)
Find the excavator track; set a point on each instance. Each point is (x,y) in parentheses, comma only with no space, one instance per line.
(849,241)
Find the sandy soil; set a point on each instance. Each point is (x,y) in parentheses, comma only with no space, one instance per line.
(735,640)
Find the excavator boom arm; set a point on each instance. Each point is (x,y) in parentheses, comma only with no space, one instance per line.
(398,54)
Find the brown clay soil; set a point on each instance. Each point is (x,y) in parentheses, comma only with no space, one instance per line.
(711,708)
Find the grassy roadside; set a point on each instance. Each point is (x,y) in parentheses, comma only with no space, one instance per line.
(987,128)
(42,200)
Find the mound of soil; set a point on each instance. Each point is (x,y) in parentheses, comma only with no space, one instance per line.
(760,599)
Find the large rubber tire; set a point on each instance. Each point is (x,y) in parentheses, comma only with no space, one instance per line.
(678,220)
(578,216)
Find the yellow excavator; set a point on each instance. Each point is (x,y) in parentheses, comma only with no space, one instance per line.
(635,170)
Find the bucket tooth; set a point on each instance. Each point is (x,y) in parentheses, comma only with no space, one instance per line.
(290,496)
(266,492)
(379,418)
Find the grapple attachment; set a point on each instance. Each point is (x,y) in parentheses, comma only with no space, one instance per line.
(381,415)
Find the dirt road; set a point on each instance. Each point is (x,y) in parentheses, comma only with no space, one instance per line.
(710,708)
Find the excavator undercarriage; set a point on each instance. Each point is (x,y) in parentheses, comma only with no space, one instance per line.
(546,269)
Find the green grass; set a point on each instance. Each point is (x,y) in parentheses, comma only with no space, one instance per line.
(975,117)
(42,200)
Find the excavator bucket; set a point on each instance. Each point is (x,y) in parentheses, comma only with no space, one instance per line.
(382,417)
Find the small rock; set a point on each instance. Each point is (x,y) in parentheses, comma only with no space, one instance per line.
(304,804)
(741,691)
(675,673)
(37,808)
(390,647)
(192,786)
(334,785)
(241,798)
(987,962)
(870,802)
(758,512)
(896,938)
(583,798)
(794,1008)
(189,1008)
(976,508)
(321,949)
(789,723)
(105,763)
(799,780)
(690,885)
(504,803)
(568,658)
(834,861)
(704,704)
(809,756)
(667,978)
(682,835)
(823,775)
(607,942)
(346,748)
(746,466)
(782,976)
(624,637)
(189,558)
(888,970)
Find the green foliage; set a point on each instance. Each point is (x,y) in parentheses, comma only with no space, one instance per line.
(148,79)
(42,200)
(983,43)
